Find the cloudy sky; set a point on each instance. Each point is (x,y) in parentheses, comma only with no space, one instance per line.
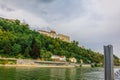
(93,23)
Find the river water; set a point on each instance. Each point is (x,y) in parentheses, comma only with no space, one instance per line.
(30,73)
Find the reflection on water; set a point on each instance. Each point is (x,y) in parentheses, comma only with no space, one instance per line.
(24,73)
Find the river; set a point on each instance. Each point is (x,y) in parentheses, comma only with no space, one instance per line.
(31,73)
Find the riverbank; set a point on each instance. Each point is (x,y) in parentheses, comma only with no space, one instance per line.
(45,66)
(38,63)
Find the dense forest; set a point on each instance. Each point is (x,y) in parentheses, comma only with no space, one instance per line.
(17,40)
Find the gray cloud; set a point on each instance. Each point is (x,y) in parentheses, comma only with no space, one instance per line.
(97,27)
(46,1)
(6,8)
(50,10)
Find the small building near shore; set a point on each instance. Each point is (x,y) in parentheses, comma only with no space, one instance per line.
(81,61)
(58,58)
(73,60)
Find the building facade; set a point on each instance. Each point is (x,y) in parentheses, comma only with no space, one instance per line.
(63,37)
(73,60)
(53,34)
(58,58)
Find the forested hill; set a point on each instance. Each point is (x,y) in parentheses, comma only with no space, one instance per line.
(17,40)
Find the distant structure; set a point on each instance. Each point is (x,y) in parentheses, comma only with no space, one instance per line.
(53,34)
(108,62)
(63,37)
(10,20)
(73,60)
(13,20)
(58,58)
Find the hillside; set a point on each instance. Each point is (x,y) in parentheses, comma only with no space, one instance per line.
(17,40)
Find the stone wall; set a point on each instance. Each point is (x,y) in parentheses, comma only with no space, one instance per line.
(25,62)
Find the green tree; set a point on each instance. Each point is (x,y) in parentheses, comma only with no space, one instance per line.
(17,21)
(27,52)
(35,51)
(45,54)
(16,49)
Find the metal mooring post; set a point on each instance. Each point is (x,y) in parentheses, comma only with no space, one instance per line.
(108,62)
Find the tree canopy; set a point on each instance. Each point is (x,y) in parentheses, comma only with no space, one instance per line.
(17,40)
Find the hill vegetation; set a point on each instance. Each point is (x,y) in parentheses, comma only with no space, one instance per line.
(17,40)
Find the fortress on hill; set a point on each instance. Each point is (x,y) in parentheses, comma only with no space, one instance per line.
(53,34)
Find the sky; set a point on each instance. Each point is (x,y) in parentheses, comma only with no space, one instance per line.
(93,23)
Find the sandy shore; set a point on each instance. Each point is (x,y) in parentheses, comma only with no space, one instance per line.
(46,66)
